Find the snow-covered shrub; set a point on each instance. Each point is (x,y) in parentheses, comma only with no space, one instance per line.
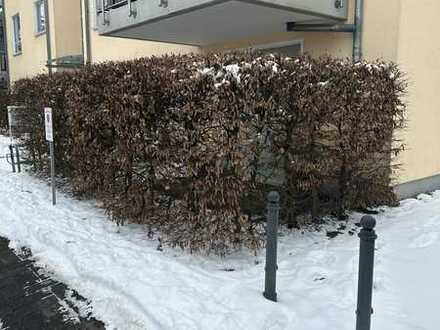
(191,144)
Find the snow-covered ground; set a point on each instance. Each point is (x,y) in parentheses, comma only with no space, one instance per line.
(132,285)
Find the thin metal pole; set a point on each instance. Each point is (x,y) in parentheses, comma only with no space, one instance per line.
(5,37)
(104,20)
(52,173)
(11,150)
(131,11)
(81,10)
(47,19)
(366,269)
(17,153)
(357,36)
(88,52)
(273,209)
(309,27)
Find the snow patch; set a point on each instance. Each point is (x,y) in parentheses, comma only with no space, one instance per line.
(69,315)
(84,308)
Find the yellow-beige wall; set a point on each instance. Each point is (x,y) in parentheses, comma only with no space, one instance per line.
(113,49)
(67,38)
(65,31)
(419,56)
(66,27)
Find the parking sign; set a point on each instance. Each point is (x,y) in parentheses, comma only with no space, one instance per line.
(48,124)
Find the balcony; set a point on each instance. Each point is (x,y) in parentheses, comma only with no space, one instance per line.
(205,22)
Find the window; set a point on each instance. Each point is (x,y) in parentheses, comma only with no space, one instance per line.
(289,48)
(2,39)
(40,17)
(17,34)
(3,63)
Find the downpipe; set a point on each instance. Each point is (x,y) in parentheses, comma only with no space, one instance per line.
(48,36)
(356,29)
(357,35)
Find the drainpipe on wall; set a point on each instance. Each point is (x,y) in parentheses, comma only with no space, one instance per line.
(85,25)
(357,36)
(292,26)
(5,39)
(81,11)
(356,29)
(48,38)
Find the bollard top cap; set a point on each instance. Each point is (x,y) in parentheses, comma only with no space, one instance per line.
(368,222)
(273,197)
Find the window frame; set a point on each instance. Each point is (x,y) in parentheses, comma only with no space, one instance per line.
(17,40)
(281,44)
(39,6)
(3,63)
(270,45)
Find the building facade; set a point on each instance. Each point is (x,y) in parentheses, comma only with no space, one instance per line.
(30,24)
(402,31)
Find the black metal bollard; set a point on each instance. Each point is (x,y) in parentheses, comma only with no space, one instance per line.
(273,210)
(366,268)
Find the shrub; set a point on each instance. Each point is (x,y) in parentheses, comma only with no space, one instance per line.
(191,144)
(4,102)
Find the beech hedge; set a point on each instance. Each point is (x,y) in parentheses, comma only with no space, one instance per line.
(190,145)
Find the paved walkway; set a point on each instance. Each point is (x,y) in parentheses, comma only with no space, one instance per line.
(32,301)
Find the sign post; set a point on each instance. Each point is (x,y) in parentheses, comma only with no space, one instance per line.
(10,122)
(49,139)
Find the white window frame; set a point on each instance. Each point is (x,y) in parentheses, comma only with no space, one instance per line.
(17,40)
(39,28)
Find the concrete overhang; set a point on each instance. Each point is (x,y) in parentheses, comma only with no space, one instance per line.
(205,22)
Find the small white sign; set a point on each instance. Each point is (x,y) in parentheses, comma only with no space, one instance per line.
(10,116)
(48,124)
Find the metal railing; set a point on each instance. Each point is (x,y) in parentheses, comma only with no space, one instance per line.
(113,4)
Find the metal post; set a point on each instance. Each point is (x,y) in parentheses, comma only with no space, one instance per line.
(131,11)
(52,173)
(366,267)
(47,20)
(104,20)
(88,52)
(357,36)
(273,209)
(17,159)
(11,150)
(5,37)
